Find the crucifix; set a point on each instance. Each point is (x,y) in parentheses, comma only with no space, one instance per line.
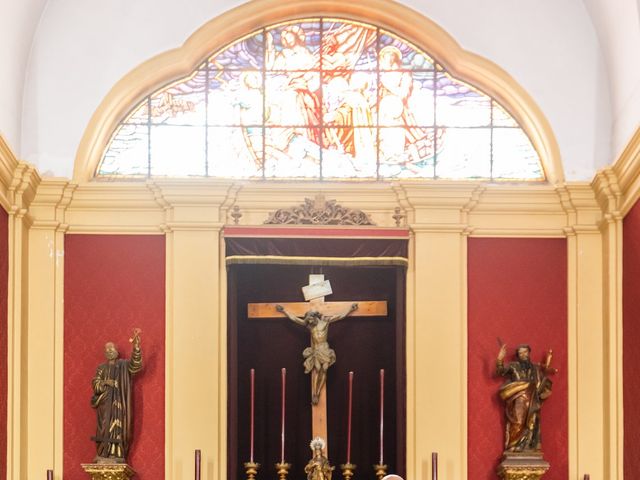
(316,315)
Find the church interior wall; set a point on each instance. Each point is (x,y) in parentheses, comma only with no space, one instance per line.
(190,215)
(48,301)
(517,290)
(4,290)
(112,284)
(631,326)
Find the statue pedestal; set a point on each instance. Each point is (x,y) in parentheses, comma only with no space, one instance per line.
(522,466)
(108,471)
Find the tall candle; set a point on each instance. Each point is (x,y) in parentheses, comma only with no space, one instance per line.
(49,474)
(434,466)
(198,462)
(381,416)
(284,381)
(349,417)
(253,378)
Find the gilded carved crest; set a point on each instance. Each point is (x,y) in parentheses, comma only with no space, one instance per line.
(318,212)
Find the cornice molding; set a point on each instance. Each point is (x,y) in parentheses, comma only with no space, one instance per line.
(469,208)
(627,173)
(250,16)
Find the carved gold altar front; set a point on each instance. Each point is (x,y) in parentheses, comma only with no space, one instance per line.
(522,466)
(102,471)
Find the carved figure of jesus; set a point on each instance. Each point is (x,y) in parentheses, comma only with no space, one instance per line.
(318,357)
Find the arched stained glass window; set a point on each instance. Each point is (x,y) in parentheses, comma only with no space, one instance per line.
(321,98)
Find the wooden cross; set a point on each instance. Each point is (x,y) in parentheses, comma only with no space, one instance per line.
(314,292)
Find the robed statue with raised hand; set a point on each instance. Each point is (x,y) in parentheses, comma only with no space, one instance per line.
(526,387)
(112,386)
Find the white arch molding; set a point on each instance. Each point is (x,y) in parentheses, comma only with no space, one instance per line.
(248,17)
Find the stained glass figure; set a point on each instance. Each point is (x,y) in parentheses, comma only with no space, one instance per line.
(321,98)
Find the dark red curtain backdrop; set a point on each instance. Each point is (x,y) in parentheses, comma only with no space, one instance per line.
(518,292)
(4,292)
(631,334)
(113,283)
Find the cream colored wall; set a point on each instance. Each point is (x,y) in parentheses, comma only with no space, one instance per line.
(192,213)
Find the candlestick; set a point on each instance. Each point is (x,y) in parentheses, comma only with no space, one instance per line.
(282,469)
(49,474)
(198,463)
(381,471)
(253,378)
(251,469)
(284,379)
(434,466)
(349,421)
(381,417)
(347,470)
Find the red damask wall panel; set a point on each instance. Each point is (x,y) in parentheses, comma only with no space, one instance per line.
(518,292)
(4,292)
(113,283)
(631,334)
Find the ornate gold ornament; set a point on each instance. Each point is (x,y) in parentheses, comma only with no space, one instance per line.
(522,466)
(113,471)
(318,212)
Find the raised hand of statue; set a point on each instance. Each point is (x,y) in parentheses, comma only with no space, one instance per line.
(354,306)
(503,352)
(547,363)
(136,337)
(279,308)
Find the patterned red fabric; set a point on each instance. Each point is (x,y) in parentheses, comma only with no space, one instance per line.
(518,292)
(630,336)
(112,284)
(4,293)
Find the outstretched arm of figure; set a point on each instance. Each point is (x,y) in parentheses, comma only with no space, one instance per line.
(335,318)
(547,363)
(135,362)
(500,368)
(291,316)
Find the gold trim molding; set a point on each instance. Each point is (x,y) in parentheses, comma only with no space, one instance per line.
(250,16)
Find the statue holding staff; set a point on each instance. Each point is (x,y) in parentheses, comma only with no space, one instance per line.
(112,400)
(526,388)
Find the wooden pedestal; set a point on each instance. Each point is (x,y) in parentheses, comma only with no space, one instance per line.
(522,466)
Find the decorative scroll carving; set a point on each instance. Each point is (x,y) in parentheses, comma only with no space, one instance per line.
(113,471)
(318,212)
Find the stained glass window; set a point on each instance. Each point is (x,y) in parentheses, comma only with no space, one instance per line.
(321,98)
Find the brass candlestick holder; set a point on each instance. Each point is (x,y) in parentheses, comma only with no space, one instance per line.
(251,469)
(347,470)
(381,471)
(283,470)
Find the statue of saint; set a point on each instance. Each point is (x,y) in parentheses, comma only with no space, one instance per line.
(526,388)
(112,401)
(318,467)
(319,356)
